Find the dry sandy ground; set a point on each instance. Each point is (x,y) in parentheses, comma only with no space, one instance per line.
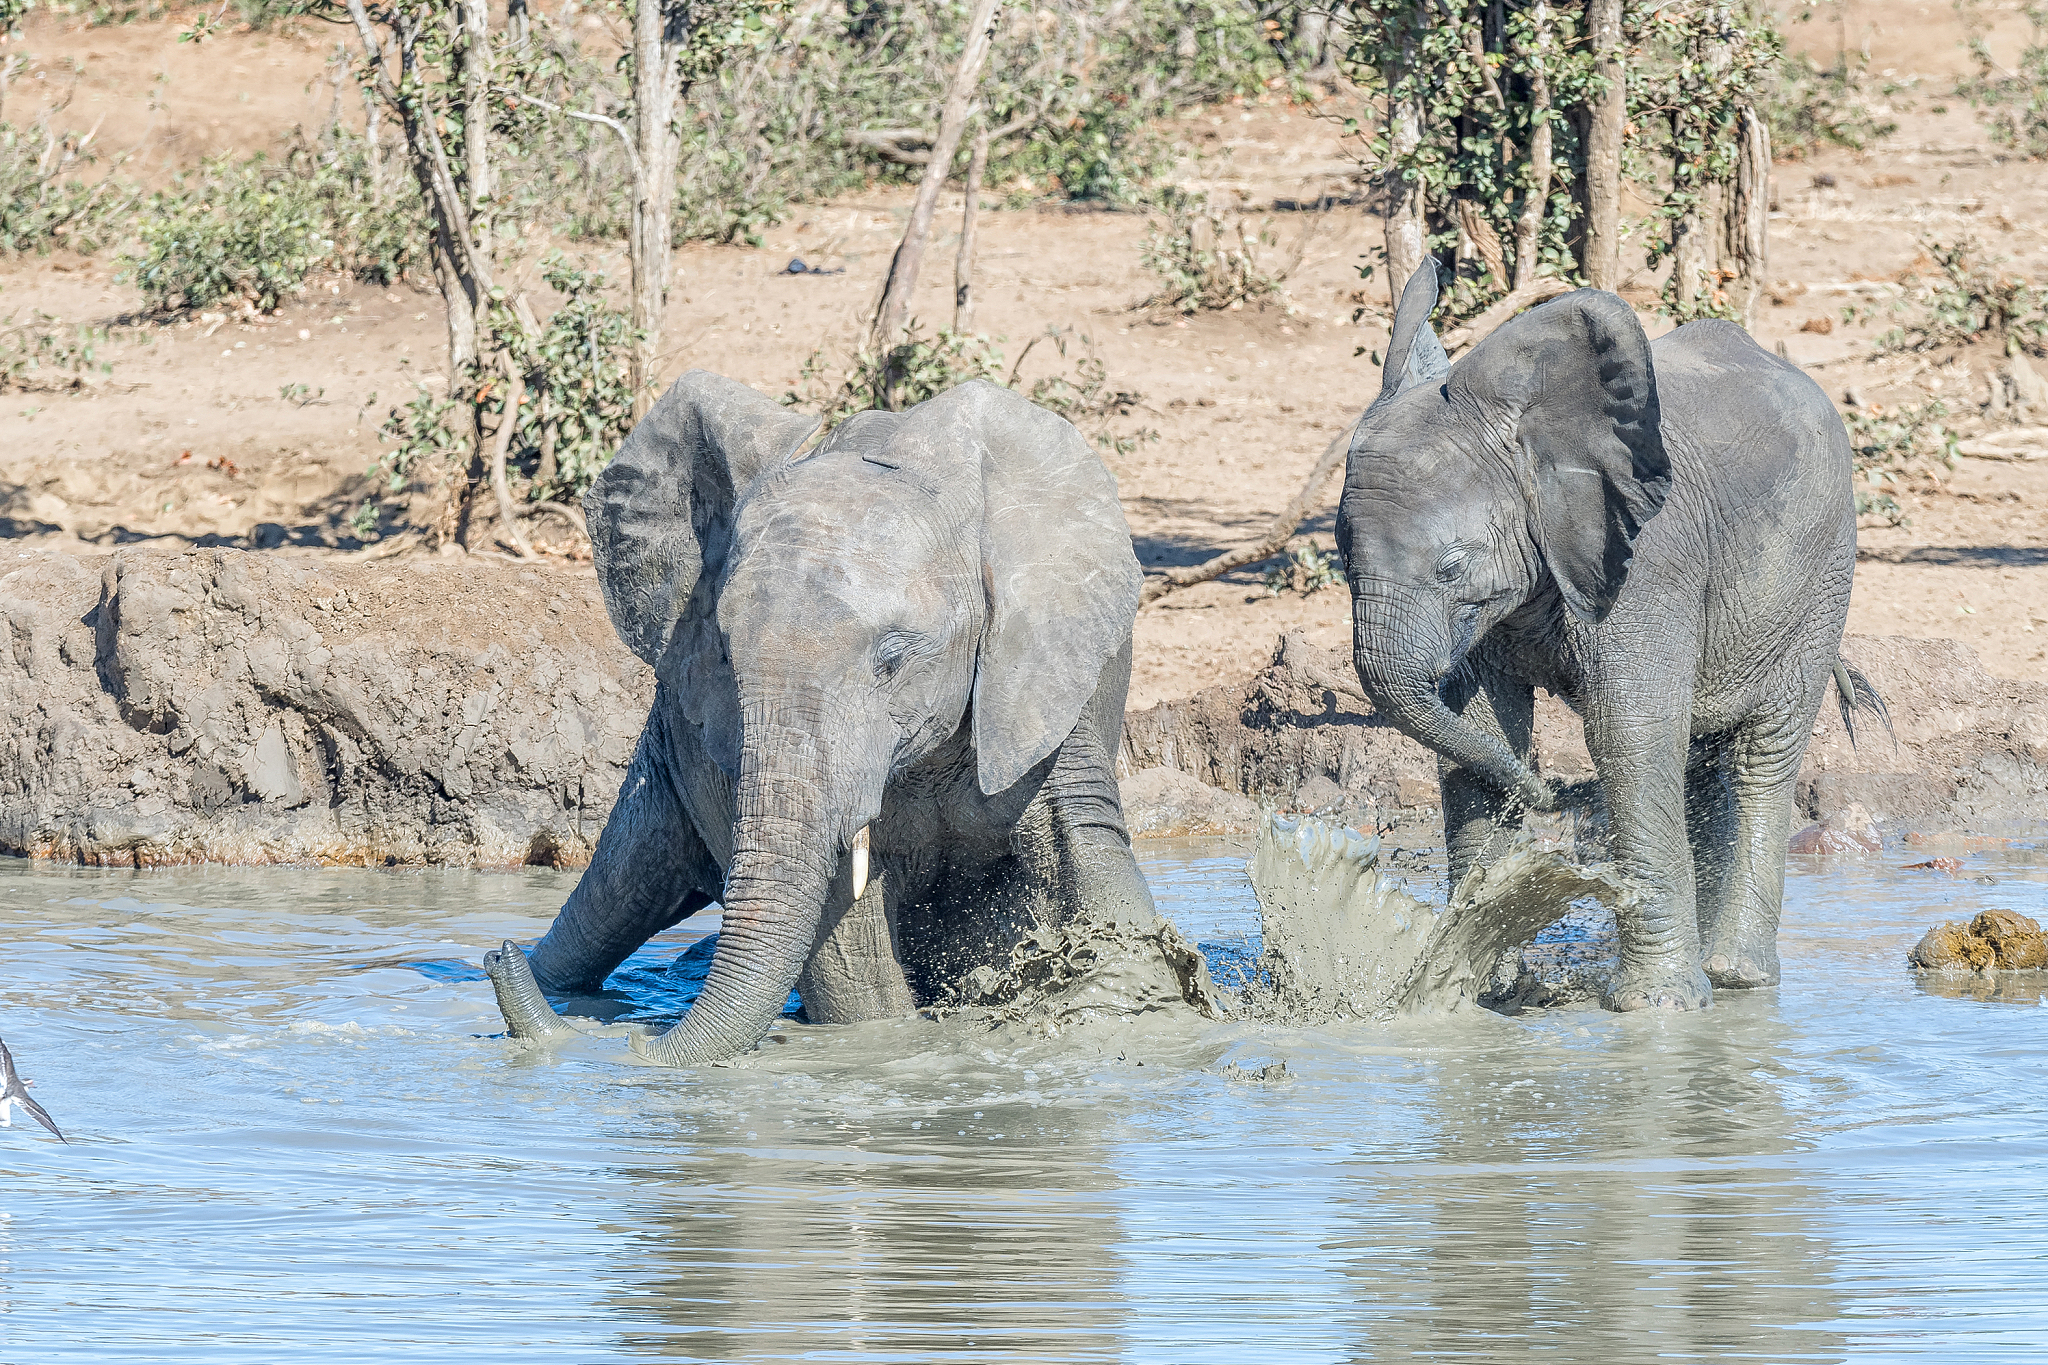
(189,436)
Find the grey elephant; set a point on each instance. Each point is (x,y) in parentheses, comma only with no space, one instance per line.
(890,673)
(1663,535)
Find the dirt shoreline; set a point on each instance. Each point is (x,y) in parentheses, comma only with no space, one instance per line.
(234,706)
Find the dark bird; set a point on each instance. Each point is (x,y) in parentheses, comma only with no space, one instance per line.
(13,1091)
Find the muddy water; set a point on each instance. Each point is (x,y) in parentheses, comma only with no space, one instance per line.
(292,1139)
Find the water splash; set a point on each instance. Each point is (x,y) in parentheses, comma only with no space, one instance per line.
(1343,940)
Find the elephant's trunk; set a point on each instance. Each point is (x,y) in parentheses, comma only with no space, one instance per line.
(1409,697)
(788,837)
(791,813)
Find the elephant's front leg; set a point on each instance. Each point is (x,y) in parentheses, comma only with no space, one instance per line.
(1642,764)
(1104,883)
(855,971)
(649,871)
(1480,820)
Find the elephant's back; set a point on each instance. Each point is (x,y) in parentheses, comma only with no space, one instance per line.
(1728,402)
(1762,513)
(1747,431)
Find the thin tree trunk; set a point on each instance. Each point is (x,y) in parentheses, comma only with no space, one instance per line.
(508,425)
(1746,216)
(963,264)
(474,56)
(1275,536)
(892,315)
(1405,238)
(660,32)
(1607,123)
(1529,227)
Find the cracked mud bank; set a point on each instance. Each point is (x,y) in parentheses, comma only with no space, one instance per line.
(220,705)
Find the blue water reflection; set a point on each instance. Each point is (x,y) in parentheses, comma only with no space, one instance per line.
(294,1137)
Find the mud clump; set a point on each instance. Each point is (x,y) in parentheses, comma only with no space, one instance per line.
(1083,973)
(1996,940)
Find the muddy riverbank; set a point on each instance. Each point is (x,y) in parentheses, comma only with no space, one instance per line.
(227,706)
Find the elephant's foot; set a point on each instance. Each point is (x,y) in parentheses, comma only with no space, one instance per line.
(526,1010)
(1660,987)
(1747,968)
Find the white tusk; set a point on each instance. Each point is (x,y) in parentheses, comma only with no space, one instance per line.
(860,862)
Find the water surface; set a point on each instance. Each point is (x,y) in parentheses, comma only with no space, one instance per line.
(294,1137)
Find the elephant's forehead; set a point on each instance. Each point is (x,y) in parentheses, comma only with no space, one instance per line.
(829,508)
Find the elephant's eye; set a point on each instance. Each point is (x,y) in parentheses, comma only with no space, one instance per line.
(1451,567)
(892,651)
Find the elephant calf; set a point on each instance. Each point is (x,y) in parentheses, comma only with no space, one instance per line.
(1663,536)
(890,685)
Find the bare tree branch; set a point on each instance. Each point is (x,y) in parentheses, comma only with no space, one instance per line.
(1276,534)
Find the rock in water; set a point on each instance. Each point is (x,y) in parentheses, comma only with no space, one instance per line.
(1995,940)
(1344,941)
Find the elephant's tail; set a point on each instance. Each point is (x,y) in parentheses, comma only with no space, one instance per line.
(1854,692)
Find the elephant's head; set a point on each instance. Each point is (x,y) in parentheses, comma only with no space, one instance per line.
(1528,467)
(828,618)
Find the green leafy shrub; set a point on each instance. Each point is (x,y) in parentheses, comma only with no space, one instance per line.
(245,234)
(1208,260)
(920,367)
(1890,446)
(43,205)
(579,389)
(1971,299)
(2012,105)
(44,353)
(418,433)
(378,223)
(576,408)
(254,231)
(1809,106)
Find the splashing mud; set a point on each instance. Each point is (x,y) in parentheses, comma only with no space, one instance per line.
(1342,940)
(1089,973)
(1338,940)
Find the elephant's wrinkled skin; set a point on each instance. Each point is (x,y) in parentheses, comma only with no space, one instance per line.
(1664,536)
(918,632)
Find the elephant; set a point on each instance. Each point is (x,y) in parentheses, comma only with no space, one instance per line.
(1663,535)
(890,679)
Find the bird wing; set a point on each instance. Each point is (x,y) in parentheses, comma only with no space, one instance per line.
(8,1080)
(42,1117)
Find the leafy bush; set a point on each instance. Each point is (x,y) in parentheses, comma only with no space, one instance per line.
(1207,260)
(920,367)
(41,206)
(1809,106)
(1891,445)
(1307,569)
(1971,299)
(579,394)
(44,353)
(253,231)
(417,432)
(576,409)
(2012,105)
(378,223)
(246,233)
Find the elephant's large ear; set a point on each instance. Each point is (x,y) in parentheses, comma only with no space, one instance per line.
(1414,355)
(1575,376)
(663,506)
(1061,577)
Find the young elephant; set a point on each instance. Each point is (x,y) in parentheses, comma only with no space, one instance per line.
(890,683)
(1662,535)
